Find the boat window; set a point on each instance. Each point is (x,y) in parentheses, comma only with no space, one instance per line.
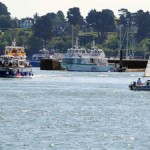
(69,51)
(83,51)
(67,60)
(21,63)
(36,58)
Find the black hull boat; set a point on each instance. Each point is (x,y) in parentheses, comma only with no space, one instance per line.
(143,87)
(8,72)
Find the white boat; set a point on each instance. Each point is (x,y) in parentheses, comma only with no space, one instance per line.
(36,58)
(143,87)
(78,59)
(147,70)
(13,63)
(44,54)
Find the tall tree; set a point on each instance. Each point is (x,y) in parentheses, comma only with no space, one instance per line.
(102,22)
(3,9)
(43,28)
(5,21)
(143,23)
(60,15)
(108,22)
(74,15)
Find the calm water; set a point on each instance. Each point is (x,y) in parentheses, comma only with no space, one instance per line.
(58,110)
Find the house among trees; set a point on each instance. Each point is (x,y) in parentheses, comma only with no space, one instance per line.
(26,23)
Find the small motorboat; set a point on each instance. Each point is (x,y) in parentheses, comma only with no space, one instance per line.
(142,87)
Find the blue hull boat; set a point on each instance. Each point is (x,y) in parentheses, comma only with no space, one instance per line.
(35,63)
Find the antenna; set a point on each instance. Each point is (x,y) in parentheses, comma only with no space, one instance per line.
(14,43)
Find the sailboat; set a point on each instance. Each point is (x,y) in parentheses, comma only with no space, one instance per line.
(147,70)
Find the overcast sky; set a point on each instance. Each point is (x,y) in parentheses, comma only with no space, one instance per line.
(27,8)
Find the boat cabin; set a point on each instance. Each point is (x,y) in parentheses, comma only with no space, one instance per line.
(7,60)
(16,51)
(43,53)
(76,52)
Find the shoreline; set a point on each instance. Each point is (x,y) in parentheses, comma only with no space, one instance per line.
(136,70)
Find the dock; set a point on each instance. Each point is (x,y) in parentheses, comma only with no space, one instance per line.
(132,65)
(50,64)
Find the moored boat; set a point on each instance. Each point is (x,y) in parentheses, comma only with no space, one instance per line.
(44,54)
(14,63)
(36,58)
(79,59)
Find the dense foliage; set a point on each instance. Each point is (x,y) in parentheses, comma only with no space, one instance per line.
(55,31)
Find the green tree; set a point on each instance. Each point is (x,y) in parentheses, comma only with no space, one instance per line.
(102,22)
(143,23)
(74,15)
(74,18)
(61,16)
(91,17)
(43,28)
(3,10)
(108,23)
(33,45)
(5,21)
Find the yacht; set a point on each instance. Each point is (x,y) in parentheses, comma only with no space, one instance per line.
(36,58)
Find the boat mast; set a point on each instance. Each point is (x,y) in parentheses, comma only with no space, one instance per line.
(127,41)
(72,36)
(14,43)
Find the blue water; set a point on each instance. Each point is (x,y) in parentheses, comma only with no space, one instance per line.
(59,110)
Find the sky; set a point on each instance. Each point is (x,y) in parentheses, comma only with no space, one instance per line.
(27,8)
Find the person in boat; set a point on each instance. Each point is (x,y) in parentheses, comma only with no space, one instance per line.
(139,82)
(147,83)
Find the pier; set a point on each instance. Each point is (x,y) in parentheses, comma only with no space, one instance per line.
(130,64)
(50,64)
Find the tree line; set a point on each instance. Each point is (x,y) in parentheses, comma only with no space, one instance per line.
(53,30)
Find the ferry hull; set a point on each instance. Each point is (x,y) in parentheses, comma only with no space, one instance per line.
(7,72)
